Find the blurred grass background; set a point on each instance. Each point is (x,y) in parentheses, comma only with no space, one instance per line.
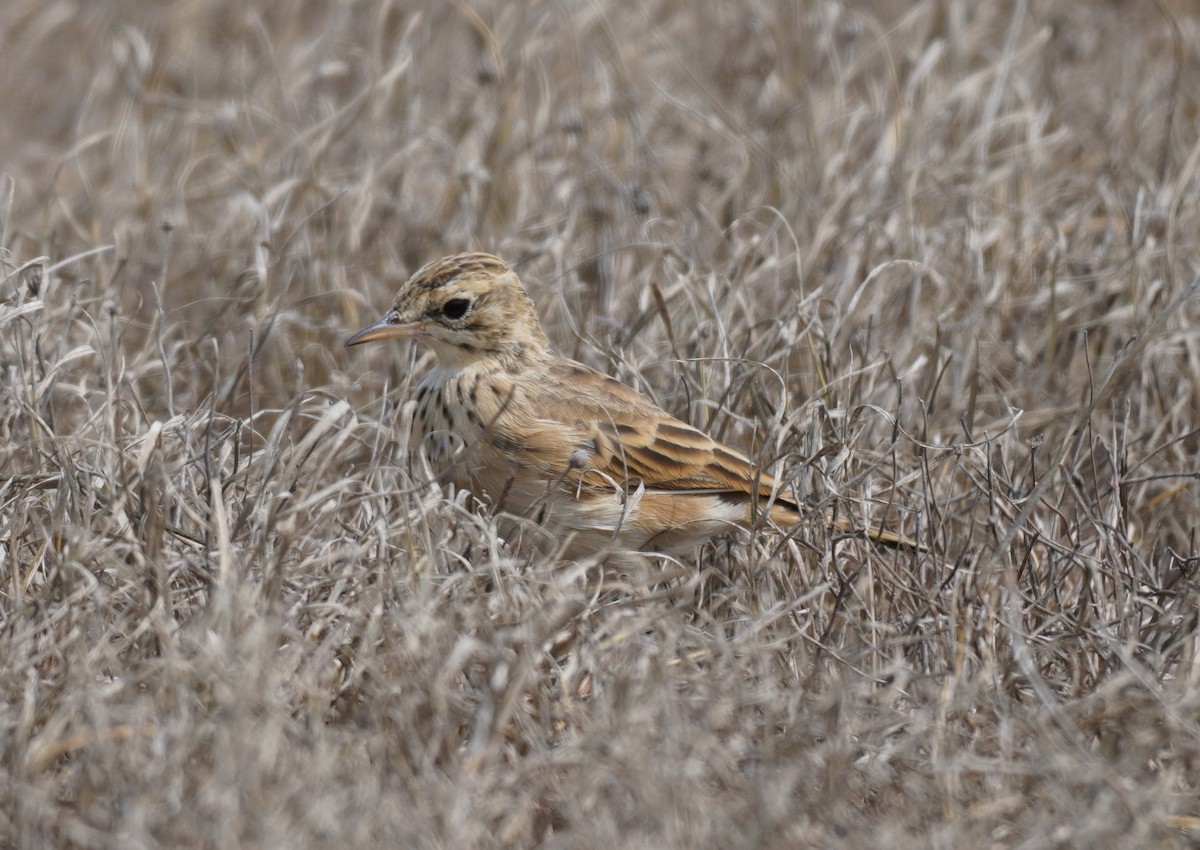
(937,259)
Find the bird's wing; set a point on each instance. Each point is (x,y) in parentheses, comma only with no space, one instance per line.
(626,441)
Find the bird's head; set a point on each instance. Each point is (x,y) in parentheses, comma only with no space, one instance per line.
(467,307)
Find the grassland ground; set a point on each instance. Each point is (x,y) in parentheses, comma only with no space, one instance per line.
(936,261)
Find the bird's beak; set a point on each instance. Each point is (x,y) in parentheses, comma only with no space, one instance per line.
(384,329)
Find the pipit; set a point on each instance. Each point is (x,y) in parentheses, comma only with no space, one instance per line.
(538,436)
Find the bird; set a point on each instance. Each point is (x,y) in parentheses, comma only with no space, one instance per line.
(551,442)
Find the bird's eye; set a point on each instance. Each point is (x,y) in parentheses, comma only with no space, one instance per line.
(455,308)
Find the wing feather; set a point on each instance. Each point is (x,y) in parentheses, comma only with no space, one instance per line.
(631,441)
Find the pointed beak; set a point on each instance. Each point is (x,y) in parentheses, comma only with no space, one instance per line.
(384,329)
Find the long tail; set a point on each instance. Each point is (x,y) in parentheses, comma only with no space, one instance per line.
(786,514)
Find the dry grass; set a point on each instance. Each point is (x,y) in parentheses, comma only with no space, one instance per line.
(938,259)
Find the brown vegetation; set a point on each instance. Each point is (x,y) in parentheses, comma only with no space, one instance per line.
(939,260)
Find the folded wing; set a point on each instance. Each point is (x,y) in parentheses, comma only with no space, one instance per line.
(620,439)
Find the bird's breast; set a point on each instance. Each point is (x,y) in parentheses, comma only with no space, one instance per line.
(455,432)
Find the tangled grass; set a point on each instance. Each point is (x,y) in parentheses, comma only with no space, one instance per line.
(937,260)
